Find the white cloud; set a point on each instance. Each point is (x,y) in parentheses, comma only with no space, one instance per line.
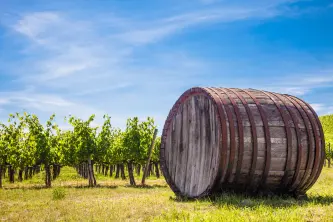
(317,106)
(98,62)
(322,109)
(207,2)
(302,84)
(150,33)
(34,25)
(297,91)
(78,47)
(44,105)
(318,79)
(3,101)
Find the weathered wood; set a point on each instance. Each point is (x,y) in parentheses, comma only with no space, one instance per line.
(218,138)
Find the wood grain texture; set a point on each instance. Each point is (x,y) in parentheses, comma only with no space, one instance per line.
(241,139)
(194,163)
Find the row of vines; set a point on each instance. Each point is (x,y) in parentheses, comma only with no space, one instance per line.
(28,147)
(327,123)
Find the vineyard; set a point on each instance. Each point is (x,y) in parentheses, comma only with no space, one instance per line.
(27,147)
(83,157)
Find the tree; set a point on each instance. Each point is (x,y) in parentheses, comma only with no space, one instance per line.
(117,152)
(328,153)
(56,152)
(69,151)
(147,129)
(3,149)
(44,142)
(19,153)
(156,156)
(132,145)
(104,142)
(84,137)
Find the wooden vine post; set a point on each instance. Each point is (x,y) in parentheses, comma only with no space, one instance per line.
(149,156)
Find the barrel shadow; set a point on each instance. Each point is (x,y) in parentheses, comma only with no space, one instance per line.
(246,201)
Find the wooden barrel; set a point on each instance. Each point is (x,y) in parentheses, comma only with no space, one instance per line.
(246,140)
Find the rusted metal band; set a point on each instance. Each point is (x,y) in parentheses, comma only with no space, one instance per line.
(254,137)
(322,146)
(223,124)
(310,142)
(267,137)
(317,147)
(240,134)
(232,134)
(286,121)
(191,92)
(298,138)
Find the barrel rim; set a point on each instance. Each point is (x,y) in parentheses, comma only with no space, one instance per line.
(174,110)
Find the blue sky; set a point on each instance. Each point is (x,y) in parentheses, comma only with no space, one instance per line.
(135,58)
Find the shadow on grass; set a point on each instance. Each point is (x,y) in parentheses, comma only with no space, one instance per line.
(147,186)
(87,186)
(34,187)
(248,201)
(74,186)
(81,186)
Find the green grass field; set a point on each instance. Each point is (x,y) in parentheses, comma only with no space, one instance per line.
(113,200)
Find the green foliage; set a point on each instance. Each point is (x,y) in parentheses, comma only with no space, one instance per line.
(329,151)
(68,148)
(138,137)
(132,141)
(25,142)
(3,144)
(156,151)
(58,193)
(327,123)
(116,151)
(105,139)
(84,137)
(44,139)
(147,129)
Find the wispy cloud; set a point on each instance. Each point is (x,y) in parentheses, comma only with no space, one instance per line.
(36,25)
(322,109)
(78,47)
(46,104)
(297,91)
(318,107)
(206,2)
(103,64)
(319,79)
(150,33)
(302,84)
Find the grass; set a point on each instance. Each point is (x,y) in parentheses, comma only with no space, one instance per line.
(113,200)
